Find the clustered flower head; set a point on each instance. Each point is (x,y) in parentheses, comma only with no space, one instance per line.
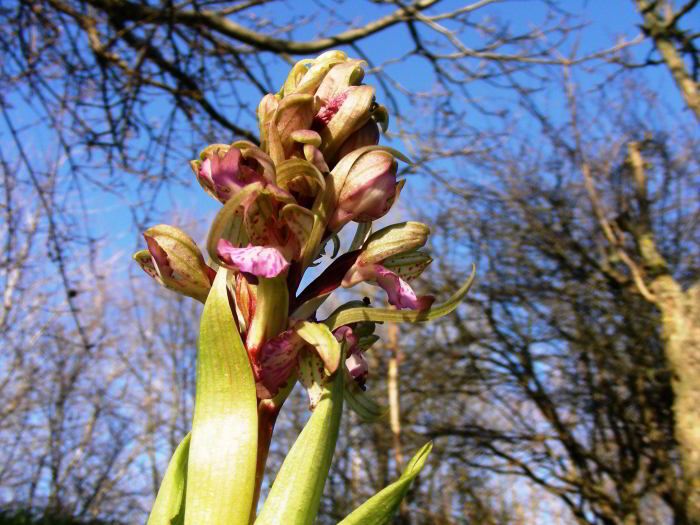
(318,167)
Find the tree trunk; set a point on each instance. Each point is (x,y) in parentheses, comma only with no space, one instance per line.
(681,334)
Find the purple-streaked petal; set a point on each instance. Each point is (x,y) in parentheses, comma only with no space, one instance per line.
(159,256)
(252,154)
(224,176)
(348,73)
(341,116)
(345,333)
(399,292)
(355,363)
(258,260)
(300,222)
(260,218)
(145,261)
(278,358)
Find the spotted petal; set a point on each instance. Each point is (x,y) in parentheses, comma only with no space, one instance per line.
(258,260)
(300,222)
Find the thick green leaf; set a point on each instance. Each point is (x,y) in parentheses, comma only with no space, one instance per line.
(379,509)
(296,493)
(221,467)
(354,315)
(168,508)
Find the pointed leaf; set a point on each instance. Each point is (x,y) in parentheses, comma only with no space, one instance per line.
(379,509)
(169,505)
(222,456)
(296,493)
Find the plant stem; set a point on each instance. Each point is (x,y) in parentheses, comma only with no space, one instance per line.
(267,416)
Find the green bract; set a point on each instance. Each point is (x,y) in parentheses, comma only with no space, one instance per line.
(296,493)
(169,508)
(379,509)
(221,465)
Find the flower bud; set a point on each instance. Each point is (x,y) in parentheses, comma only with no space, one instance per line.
(305,80)
(367,135)
(222,171)
(393,240)
(175,262)
(341,116)
(364,190)
(348,73)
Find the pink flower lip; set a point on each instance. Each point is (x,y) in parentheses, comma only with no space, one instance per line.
(399,292)
(262,261)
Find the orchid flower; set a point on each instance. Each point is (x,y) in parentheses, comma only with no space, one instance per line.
(318,168)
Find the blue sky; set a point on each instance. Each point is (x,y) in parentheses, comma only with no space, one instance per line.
(108,218)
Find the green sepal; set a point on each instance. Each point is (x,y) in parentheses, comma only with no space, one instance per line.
(393,240)
(296,493)
(293,168)
(324,342)
(169,506)
(363,231)
(379,509)
(313,377)
(354,315)
(320,209)
(222,455)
